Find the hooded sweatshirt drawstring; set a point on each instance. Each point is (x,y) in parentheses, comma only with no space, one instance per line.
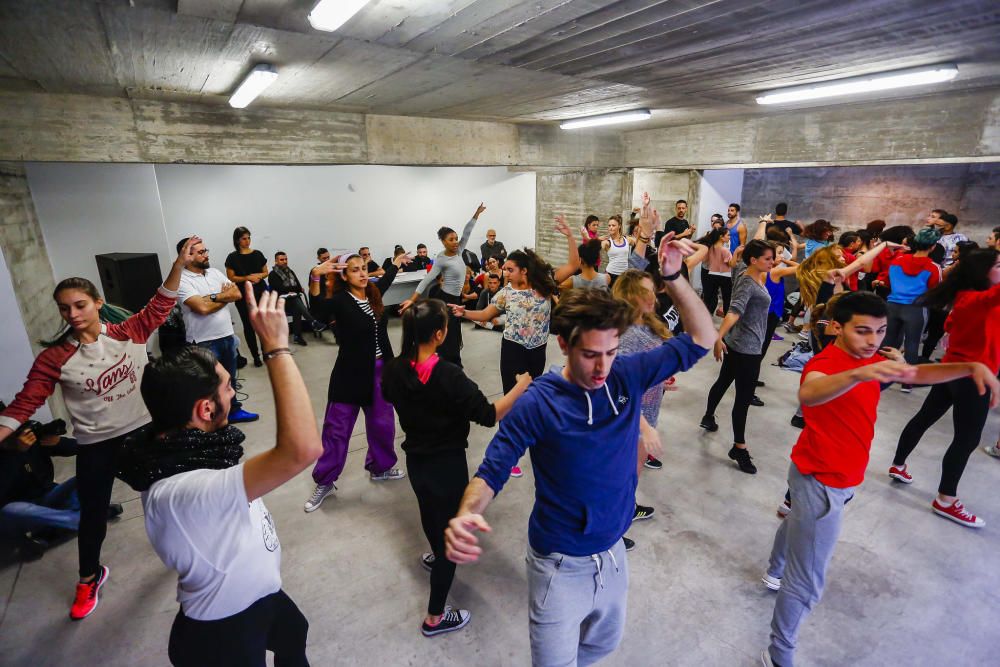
(590,405)
(599,564)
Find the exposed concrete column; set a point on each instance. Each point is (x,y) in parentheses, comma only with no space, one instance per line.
(24,251)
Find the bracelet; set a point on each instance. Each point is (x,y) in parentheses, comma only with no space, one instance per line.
(313,278)
(644,239)
(673,276)
(277,352)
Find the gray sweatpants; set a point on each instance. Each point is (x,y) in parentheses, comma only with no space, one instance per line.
(576,606)
(802,550)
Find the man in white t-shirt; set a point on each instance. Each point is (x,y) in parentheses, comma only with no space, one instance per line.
(204,294)
(203,509)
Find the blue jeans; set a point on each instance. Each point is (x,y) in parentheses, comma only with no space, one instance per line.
(59,508)
(225,350)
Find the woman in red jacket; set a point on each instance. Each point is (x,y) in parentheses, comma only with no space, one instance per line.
(98,367)
(973,293)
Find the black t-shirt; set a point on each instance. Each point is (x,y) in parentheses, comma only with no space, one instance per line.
(244,265)
(676,225)
(419,263)
(788,226)
(373,266)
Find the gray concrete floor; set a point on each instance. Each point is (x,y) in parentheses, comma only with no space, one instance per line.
(905,587)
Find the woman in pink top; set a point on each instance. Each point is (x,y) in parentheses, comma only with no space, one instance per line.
(98,367)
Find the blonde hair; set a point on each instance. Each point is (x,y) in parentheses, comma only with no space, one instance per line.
(629,288)
(812,272)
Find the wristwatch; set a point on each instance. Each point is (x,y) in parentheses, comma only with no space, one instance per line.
(213,296)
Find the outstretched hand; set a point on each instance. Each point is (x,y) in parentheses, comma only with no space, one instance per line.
(186,254)
(460,542)
(328,267)
(562,227)
(267,318)
(672,252)
(400,260)
(986,381)
(457,310)
(888,371)
(479,210)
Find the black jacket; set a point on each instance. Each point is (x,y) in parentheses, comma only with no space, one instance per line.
(276,283)
(26,476)
(353,377)
(496,250)
(471,261)
(435,416)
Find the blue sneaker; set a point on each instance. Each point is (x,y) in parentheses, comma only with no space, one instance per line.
(241,416)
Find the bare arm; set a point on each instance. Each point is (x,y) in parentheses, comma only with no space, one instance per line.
(697,320)
(700,253)
(570,267)
(979,373)
(205,305)
(506,402)
(485,315)
(819,388)
(298,444)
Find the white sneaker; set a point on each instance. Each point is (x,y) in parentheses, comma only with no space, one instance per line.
(319,494)
(391,473)
(771,582)
(993,450)
(427,560)
(765,658)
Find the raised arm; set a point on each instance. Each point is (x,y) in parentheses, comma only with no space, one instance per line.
(697,320)
(298,444)
(467,230)
(571,266)
(761,233)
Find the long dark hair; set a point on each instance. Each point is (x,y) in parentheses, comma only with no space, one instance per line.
(84,286)
(540,272)
(237,233)
(817,230)
(971,273)
(372,293)
(713,236)
(420,322)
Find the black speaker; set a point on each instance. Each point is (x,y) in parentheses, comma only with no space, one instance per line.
(129,279)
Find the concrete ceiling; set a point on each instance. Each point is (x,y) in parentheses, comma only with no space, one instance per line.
(507,60)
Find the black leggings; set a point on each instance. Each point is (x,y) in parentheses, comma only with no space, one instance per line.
(744,370)
(438,481)
(272,623)
(249,337)
(451,348)
(711,285)
(772,325)
(968,415)
(516,358)
(935,330)
(95,475)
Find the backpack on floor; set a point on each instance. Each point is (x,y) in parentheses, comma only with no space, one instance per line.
(795,359)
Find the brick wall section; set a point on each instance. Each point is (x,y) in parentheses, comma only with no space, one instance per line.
(576,194)
(900,195)
(24,250)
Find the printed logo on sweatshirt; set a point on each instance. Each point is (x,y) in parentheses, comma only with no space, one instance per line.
(622,400)
(121,370)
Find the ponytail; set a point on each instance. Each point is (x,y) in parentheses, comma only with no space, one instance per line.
(420,322)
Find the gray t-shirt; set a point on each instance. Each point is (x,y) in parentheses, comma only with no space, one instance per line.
(452,267)
(751,302)
(600,281)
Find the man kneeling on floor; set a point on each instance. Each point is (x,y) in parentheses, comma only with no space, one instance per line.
(204,513)
(581,426)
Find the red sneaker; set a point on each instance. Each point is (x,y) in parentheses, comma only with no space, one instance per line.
(88,595)
(957,513)
(516,472)
(900,475)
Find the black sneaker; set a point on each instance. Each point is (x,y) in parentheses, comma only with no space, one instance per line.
(798,421)
(708,423)
(742,458)
(653,463)
(299,340)
(453,619)
(756,402)
(257,363)
(759,383)
(427,560)
(629,544)
(318,326)
(642,512)
(115,510)
(241,361)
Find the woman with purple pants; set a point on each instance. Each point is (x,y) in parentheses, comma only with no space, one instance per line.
(356,381)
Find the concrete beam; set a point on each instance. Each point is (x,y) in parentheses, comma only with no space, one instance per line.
(959,128)
(79,128)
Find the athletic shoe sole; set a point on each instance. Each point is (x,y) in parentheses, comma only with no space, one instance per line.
(957,520)
(643,517)
(106,571)
(315,507)
(652,467)
(380,478)
(517,474)
(992,450)
(440,631)
(423,561)
(770,583)
(900,478)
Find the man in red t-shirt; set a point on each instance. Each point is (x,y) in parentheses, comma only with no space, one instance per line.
(839,393)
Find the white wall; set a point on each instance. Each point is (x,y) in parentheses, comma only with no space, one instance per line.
(15,348)
(88,209)
(719,188)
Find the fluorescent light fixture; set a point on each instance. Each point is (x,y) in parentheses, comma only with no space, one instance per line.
(606,119)
(259,78)
(328,15)
(917,76)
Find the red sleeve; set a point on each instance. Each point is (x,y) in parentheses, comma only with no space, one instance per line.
(989,298)
(935,277)
(880,267)
(42,380)
(141,326)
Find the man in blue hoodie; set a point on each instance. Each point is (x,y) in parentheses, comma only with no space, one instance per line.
(581,426)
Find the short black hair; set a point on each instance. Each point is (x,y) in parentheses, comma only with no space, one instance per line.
(858,303)
(680,201)
(443,233)
(172,384)
(736,206)
(279,254)
(781,208)
(950,218)
(590,252)
(591,218)
(897,234)
(180,244)
(847,238)
(321,251)
(420,246)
